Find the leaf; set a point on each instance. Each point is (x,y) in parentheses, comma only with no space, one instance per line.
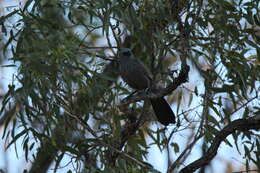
(257,19)
(179,101)
(196,90)
(215,110)
(31,146)
(247,152)
(212,119)
(7,97)
(236,141)
(17,137)
(25,147)
(228,143)
(212,130)
(175,147)
(190,99)
(220,101)
(246,112)
(11,65)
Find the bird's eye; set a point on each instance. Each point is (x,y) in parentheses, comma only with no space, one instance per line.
(127,53)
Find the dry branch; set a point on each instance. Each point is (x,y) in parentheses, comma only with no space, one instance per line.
(242,125)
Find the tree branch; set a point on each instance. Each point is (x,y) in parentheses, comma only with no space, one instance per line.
(156,93)
(243,125)
(129,129)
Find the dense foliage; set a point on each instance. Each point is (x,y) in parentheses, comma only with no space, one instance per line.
(66,93)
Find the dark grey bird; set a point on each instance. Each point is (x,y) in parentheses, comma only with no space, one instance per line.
(138,77)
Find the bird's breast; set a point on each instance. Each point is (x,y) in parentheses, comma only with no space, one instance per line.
(134,76)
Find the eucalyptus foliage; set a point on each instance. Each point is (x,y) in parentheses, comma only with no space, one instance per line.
(66,91)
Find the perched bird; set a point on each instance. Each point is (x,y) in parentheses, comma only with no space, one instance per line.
(138,77)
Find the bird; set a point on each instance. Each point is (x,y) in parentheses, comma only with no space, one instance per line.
(138,77)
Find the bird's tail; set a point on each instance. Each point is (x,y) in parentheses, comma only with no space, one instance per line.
(163,111)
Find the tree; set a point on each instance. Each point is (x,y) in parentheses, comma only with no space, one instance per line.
(67,97)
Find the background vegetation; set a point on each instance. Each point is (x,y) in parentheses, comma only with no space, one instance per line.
(64,100)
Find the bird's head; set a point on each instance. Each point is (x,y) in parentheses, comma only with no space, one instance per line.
(125,53)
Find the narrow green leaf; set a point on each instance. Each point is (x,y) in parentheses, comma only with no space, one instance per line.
(11,65)
(17,137)
(175,147)
(190,99)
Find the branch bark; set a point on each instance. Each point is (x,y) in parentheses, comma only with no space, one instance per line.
(243,125)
